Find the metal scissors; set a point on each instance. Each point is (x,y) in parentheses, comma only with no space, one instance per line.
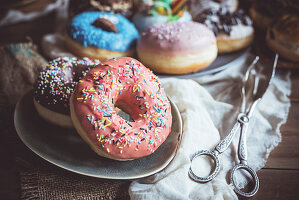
(258,88)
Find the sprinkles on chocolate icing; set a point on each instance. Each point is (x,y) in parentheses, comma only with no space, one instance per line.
(131,83)
(82,30)
(56,82)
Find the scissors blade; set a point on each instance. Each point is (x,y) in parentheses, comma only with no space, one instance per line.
(266,76)
(247,84)
(260,87)
(262,84)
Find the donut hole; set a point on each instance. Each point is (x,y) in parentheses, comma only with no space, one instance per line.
(123,110)
(130,106)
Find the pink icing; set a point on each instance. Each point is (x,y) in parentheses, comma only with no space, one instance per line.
(123,81)
(176,38)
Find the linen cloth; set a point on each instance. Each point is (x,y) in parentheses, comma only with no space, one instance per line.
(209,107)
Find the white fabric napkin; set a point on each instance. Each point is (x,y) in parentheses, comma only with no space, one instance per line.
(209,107)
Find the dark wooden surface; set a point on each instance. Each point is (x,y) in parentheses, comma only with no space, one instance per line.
(279,179)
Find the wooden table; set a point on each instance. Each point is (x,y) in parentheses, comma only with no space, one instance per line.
(279,179)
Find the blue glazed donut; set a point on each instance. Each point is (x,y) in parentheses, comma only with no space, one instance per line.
(83,31)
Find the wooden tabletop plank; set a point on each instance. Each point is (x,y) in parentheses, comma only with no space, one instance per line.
(292,124)
(286,155)
(294,87)
(278,184)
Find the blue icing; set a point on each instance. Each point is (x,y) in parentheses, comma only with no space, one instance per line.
(81,30)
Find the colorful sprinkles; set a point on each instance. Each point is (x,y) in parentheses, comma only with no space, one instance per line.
(127,81)
(56,82)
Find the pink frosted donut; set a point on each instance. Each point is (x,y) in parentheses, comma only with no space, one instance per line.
(124,83)
(177,47)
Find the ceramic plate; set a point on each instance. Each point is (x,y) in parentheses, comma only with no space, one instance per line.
(222,62)
(65,148)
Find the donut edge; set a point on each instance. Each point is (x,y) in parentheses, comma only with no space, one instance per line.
(94,52)
(231,45)
(82,133)
(53,117)
(168,65)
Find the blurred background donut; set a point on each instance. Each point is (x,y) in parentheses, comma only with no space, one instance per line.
(122,7)
(101,35)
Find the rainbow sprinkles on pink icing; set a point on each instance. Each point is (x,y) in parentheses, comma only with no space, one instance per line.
(123,82)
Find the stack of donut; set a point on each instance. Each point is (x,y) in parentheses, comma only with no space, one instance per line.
(86,94)
(169,42)
(92,101)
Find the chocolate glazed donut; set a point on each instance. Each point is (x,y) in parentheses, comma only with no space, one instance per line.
(54,86)
(233,30)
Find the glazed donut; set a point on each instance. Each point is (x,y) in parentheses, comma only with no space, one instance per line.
(54,86)
(142,21)
(234,31)
(121,7)
(197,7)
(124,83)
(159,12)
(283,37)
(264,13)
(177,47)
(101,35)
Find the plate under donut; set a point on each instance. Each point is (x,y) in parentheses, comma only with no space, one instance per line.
(65,148)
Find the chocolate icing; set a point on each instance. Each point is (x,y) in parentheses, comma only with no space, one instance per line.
(105,24)
(222,20)
(56,82)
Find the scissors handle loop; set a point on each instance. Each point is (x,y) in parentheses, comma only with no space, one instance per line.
(254,176)
(211,154)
